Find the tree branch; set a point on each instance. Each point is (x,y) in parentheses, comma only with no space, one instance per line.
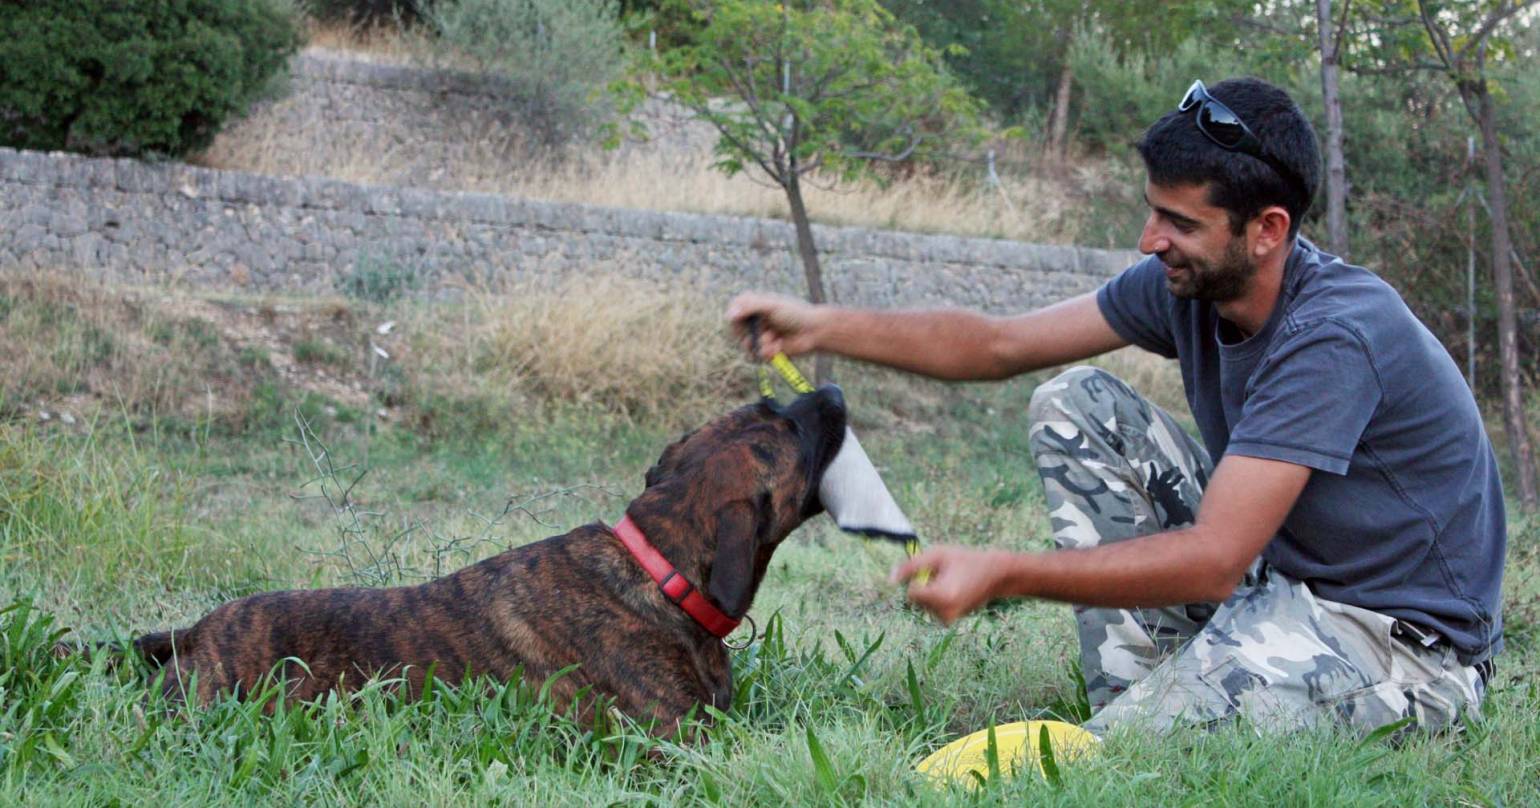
(1496,18)
(1341,32)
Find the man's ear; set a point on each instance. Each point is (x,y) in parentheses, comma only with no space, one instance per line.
(1271,230)
(731,581)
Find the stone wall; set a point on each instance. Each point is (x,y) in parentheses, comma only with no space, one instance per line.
(128,220)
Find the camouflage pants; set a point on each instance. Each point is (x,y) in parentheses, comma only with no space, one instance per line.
(1115,466)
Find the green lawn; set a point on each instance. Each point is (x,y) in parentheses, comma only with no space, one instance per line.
(115,527)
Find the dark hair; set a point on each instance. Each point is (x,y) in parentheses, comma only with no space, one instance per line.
(1175,152)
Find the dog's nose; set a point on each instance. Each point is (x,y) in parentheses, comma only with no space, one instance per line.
(830,395)
(821,410)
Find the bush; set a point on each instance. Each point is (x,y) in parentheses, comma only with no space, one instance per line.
(553,56)
(379,280)
(148,78)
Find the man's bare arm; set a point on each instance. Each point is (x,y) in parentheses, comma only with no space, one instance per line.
(953,344)
(1244,505)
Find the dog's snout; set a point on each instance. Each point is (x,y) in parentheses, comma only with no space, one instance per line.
(832,397)
(821,410)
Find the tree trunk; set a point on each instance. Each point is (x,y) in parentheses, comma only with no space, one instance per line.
(1502,279)
(1058,134)
(1336,165)
(823,364)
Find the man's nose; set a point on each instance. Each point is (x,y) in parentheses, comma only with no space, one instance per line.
(1152,240)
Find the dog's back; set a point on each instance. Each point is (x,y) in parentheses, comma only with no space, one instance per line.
(529,611)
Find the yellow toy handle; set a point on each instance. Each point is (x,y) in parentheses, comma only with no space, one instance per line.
(790,373)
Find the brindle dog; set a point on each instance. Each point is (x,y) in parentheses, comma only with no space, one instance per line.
(717,504)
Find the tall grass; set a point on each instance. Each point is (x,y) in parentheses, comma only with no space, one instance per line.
(644,349)
(74,510)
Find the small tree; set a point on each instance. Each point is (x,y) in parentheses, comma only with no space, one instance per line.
(805,88)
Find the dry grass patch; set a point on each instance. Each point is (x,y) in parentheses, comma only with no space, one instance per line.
(637,349)
(652,352)
(382,42)
(77,346)
(603,342)
(73,345)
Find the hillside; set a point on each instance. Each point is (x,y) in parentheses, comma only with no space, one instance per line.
(361,116)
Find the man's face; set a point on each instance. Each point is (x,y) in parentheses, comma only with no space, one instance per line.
(1204,260)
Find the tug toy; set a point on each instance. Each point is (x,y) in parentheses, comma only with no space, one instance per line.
(851,490)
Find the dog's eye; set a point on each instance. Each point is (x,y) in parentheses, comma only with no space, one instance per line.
(763,453)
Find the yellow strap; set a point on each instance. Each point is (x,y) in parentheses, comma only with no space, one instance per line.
(766,390)
(790,373)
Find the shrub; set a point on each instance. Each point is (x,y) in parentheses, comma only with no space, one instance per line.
(148,78)
(379,280)
(553,56)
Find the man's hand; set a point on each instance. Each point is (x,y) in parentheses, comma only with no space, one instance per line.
(786,324)
(961,579)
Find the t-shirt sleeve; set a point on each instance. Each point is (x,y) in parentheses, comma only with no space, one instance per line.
(1309,400)
(1138,307)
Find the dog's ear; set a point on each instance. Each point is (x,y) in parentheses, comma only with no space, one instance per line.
(731,584)
(669,457)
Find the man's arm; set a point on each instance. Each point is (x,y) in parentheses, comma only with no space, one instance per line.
(953,344)
(1244,505)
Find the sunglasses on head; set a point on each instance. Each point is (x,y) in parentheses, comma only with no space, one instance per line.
(1221,125)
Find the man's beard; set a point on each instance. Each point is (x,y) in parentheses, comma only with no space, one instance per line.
(1217,283)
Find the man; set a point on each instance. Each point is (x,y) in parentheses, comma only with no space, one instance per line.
(1335,555)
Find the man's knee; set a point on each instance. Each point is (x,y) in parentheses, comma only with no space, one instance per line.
(1073,390)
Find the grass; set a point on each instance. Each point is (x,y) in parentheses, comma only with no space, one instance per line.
(119,524)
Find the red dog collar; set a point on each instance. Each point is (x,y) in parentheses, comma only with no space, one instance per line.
(678,590)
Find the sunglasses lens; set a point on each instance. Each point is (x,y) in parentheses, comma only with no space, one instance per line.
(1218,122)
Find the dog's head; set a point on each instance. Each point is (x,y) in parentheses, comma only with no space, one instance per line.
(729,492)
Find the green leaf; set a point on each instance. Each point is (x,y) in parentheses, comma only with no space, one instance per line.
(916,698)
(823,770)
(992,755)
(1046,759)
(51,745)
(850,673)
(933,658)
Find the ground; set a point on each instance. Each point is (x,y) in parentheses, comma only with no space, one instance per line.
(137,518)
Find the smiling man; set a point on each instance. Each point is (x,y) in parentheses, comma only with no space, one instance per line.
(1333,550)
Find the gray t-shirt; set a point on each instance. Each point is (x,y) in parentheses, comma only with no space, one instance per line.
(1407,518)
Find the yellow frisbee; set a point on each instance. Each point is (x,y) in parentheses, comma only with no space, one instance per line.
(1016,747)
